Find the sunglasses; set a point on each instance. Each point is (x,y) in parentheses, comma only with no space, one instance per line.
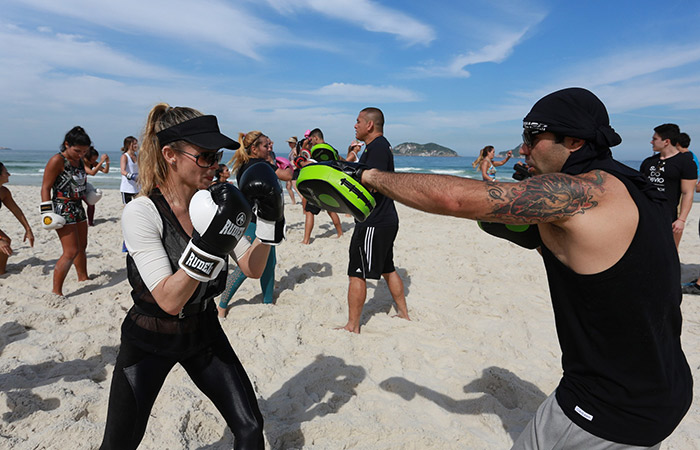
(208,158)
(529,136)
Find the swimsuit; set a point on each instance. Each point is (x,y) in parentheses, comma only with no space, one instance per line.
(68,192)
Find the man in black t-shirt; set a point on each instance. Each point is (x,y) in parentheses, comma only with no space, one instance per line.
(673,173)
(372,245)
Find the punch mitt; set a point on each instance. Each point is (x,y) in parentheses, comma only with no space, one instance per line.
(324,152)
(92,194)
(527,236)
(335,186)
(49,219)
(282,162)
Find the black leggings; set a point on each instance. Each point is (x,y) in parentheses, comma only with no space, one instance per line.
(217,372)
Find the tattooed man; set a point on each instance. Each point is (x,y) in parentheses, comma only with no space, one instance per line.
(612,267)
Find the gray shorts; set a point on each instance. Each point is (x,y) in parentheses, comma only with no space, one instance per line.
(551,429)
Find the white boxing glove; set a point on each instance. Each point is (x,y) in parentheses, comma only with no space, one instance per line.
(220,215)
(49,219)
(92,194)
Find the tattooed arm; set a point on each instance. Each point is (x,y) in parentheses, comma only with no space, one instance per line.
(541,199)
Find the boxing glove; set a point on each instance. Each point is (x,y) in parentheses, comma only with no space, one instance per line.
(49,219)
(220,216)
(300,161)
(351,169)
(92,194)
(527,236)
(521,172)
(259,184)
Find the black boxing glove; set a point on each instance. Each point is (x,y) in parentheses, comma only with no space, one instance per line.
(521,172)
(220,216)
(260,185)
(351,169)
(527,236)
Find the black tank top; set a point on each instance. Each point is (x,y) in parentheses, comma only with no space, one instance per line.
(625,377)
(147,325)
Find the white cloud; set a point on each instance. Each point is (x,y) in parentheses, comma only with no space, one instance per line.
(679,93)
(633,79)
(364,13)
(631,63)
(206,21)
(29,53)
(495,52)
(344,92)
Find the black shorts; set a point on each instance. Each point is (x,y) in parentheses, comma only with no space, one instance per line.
(313,209)
(127,197)
(372,251)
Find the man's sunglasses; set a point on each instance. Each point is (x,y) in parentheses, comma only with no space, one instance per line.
(208,158)
(529,135)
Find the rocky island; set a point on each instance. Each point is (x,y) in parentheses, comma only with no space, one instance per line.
(429,149)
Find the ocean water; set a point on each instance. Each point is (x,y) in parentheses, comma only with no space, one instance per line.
(27,167)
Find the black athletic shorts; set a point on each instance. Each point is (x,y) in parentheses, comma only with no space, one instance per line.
(372,251)
(313,209)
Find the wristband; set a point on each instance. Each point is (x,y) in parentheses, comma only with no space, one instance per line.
(200,265)
(271,232)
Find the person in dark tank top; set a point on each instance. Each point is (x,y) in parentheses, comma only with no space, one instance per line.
(612,268)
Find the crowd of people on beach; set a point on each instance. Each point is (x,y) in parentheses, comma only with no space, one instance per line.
(608,235)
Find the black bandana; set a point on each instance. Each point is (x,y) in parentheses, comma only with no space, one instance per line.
(578,113)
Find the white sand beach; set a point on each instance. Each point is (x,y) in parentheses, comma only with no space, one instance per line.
(467,372)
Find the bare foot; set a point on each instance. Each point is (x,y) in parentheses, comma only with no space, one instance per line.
(349,328)
(401,313)
(222,312)
(306,242)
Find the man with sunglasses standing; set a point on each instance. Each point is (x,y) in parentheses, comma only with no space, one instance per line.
(674,173)
(612,268)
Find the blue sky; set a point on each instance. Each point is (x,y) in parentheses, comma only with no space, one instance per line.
(461,74)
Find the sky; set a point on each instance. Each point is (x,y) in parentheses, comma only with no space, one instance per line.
(462,74)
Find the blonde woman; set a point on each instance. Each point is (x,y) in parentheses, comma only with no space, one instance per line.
(255,149)
(487,165)
(180,231)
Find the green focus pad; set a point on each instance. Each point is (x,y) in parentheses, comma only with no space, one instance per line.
(324,152)
(518,228)
(527,236)
(333,190)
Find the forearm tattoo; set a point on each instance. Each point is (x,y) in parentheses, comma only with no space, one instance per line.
(546,197)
